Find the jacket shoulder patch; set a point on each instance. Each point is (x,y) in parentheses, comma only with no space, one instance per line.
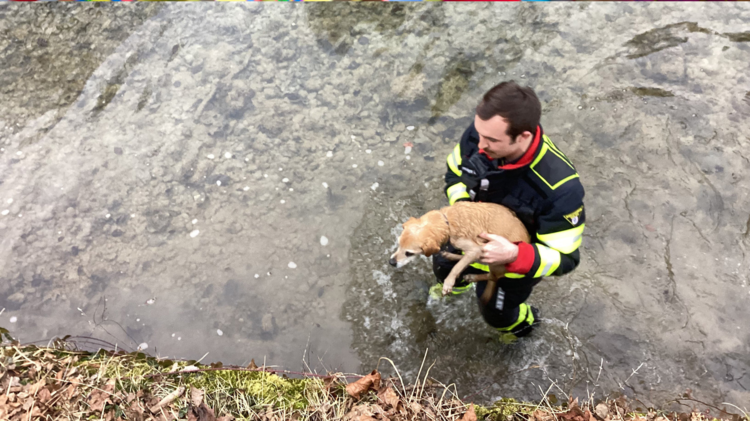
(574,217)
(553,170)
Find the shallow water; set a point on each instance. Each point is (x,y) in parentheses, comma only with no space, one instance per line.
(169,173)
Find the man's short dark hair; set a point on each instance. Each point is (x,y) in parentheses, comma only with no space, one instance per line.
(519,105)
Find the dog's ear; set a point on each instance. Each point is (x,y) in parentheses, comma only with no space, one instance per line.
(409,221)
(430,247)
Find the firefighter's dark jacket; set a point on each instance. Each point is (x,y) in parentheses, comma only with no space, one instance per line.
(544,190)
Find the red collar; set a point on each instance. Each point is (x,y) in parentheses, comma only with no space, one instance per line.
(527,157)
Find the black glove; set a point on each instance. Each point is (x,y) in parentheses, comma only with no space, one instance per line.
(474,170)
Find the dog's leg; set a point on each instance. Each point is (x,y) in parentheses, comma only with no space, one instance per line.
(488,291)
(450,280)
(496,272)
(472,252)
(478,277)
(451,256)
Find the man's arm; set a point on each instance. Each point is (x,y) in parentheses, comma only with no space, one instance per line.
(455,189)
(554,251)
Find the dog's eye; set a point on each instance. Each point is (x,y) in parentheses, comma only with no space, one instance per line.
(409,254)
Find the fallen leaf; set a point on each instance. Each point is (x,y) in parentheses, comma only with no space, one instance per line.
(377,410)
(14,412)
(201,413)
(226,418)
(364,384)
(136,408)
(269,414)
(97,400)
(110,385)
(109,415)
(389,397)
(44,395)
(151,401)
(35,412)
(34,388)
(540,415)
(621,405)
(196,396)
(470,415)
(601,410)
(72,389)
(415,407)
(329,383)
(163,416)
(360,413)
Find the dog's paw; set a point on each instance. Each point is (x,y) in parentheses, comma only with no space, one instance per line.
(447,289)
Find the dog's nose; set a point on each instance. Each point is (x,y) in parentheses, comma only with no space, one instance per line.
(393,262)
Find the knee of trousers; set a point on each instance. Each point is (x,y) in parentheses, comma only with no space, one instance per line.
(499,319)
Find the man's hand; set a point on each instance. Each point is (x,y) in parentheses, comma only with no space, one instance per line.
(498,251)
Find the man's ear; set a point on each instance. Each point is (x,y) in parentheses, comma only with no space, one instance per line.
(525,136)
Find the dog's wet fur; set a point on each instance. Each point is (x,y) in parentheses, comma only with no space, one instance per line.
(460,225)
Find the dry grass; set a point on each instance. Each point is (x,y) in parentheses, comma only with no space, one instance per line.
(61,383)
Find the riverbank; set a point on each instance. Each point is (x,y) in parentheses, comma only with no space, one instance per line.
(61,382)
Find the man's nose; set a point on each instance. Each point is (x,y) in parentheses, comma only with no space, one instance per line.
(393,262)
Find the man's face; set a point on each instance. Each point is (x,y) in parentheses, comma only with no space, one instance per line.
(494,139)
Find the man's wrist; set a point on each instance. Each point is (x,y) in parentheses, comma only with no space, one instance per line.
(514,254)
(524,258)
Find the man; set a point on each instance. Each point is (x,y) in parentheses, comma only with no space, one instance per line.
(504,157)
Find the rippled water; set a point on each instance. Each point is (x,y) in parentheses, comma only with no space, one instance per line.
(230,179)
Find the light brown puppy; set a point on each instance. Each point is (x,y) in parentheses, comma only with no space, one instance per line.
(460,225)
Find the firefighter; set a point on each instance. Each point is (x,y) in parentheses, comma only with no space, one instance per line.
(504,157)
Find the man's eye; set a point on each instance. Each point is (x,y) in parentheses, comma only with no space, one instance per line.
(409,254)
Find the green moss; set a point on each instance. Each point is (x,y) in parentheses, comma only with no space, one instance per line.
(452,86)
(641,92)
(503,410)
(242,393)
(739,36)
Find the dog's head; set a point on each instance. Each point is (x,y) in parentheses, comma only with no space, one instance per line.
(419,237)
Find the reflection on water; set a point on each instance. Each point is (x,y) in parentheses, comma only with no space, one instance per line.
(231,181)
